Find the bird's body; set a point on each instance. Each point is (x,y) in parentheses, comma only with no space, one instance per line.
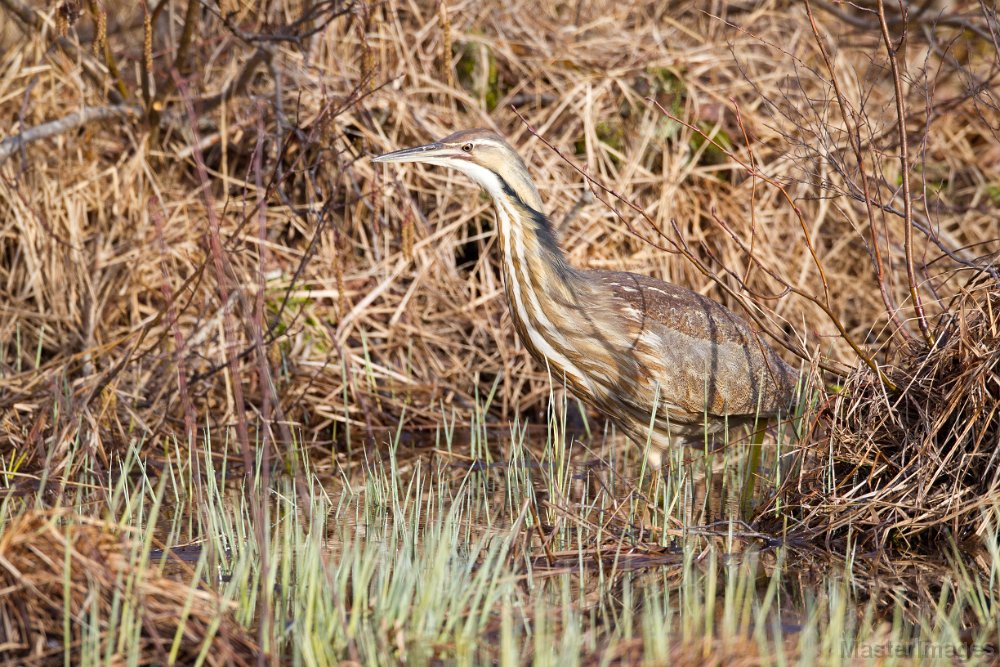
(622,342)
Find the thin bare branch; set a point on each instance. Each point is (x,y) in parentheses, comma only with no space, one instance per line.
(56,127)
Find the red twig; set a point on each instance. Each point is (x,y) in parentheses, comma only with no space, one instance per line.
(232,356)
(190,420)
(904,163)
(854,135)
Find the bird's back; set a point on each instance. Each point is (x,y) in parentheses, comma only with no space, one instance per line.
(706,360)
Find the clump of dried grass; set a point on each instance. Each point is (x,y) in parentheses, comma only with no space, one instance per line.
(900,469)
(60,572)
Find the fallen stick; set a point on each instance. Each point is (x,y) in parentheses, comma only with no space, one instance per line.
(55,127)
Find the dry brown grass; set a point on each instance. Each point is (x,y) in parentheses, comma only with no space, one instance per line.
(346,295)
(51,562)
(904,469)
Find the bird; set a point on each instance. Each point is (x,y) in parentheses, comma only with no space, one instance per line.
(667,366)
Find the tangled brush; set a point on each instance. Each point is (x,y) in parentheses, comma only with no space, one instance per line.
(899,467)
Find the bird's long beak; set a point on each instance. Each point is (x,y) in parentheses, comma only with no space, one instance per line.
(418,154)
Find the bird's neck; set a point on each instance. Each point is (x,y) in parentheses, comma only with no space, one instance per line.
(541,287)
(533,263)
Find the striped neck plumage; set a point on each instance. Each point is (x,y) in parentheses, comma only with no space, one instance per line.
(548,299)
(540,285)
(543,291)
(526,236)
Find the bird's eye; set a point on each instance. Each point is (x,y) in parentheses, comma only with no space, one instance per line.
(467,148)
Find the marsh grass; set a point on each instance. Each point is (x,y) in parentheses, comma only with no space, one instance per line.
(905,470)
(424,556)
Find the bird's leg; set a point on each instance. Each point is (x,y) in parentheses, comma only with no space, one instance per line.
(649,473)
(654,458)
(667,475)
(750,471)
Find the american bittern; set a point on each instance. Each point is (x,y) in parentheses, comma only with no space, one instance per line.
(622,342)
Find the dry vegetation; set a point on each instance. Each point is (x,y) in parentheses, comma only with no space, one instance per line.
(178,622)
(909,467)
(192,236)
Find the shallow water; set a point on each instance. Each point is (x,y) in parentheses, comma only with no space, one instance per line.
(582,546)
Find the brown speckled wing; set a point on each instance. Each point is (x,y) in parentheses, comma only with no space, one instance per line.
(704,357)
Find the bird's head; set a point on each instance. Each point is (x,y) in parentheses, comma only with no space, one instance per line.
(480,154)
